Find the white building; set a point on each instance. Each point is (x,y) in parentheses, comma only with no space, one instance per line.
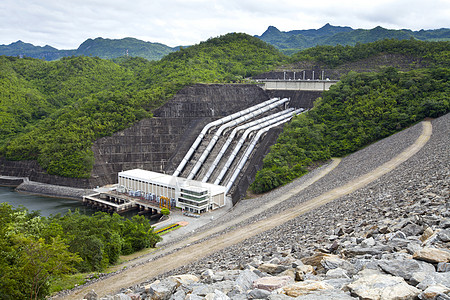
(190,195)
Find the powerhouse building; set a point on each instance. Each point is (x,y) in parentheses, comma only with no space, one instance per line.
(190,195)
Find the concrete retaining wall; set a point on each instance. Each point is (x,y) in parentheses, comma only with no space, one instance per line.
(159,144)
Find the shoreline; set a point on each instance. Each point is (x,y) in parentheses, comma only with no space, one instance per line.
(54,191)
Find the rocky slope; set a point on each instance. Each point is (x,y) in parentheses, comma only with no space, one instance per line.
(388,240)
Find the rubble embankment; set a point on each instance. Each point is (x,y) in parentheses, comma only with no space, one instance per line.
(387,240)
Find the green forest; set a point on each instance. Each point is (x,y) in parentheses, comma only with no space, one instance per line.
(362,108)
(53,111)
(37,251)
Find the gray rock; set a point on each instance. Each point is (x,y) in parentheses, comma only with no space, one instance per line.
(363,251)
(217,295)
(399,225)
(405,267)
(258,294)
(336,273)
(412,229)
(245,279)
(161,290)
(178,295)
(272,269)
(443,267)
(207,276)
(398,243)
(444,235)
(229,287)
(444,223)
(200,289)
(92,295)
(279,297)
(435,279)
(333,262)
(398,235)
(362,263)
(433,292)
(121,296)
(338,283)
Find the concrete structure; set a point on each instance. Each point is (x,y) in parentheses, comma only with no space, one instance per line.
(297,85)
(189,195)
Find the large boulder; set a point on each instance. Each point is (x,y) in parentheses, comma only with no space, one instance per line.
(272,269)
(92,295)
(432,255)
(217,295)
(184,279)
(245,279)
(382,287)
(405,267)
(434,291)
(271,283)
(305,287)
(161,290)
(435,279)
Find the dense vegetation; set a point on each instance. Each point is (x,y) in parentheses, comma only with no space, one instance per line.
(434,53)
(37,250)
(360,109)
(99,47)
(292,41)
(53,111)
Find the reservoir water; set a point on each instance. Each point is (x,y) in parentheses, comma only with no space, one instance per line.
(51,205)
(46,205)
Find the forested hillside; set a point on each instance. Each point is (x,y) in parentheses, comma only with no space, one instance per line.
(53,111)
(98,47)
(292,41)
(360,109)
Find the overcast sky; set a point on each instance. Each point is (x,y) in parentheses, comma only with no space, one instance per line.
(65,24)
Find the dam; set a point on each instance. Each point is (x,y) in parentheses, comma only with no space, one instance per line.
(160,143)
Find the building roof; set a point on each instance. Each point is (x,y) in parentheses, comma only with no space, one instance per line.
(172,181)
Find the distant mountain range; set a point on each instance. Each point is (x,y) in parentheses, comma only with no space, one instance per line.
(337,35)
(103,48)
(286,41)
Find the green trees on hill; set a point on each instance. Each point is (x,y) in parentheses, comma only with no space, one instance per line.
(333,56)
(37,250)
(357,111)
(53,111)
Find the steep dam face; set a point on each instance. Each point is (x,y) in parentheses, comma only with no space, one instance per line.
(159,143)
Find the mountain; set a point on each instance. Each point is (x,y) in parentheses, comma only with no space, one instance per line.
(337,35)
(20,48)
(100,47)
(111,48)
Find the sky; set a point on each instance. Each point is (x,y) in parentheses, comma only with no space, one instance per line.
(65,24)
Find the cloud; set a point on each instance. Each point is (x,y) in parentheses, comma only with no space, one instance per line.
(65,24)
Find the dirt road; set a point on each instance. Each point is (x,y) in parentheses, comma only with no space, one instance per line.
(141,273)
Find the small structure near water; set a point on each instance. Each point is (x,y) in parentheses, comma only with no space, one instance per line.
(150,191)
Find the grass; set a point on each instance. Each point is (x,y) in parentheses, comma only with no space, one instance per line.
(68,282)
